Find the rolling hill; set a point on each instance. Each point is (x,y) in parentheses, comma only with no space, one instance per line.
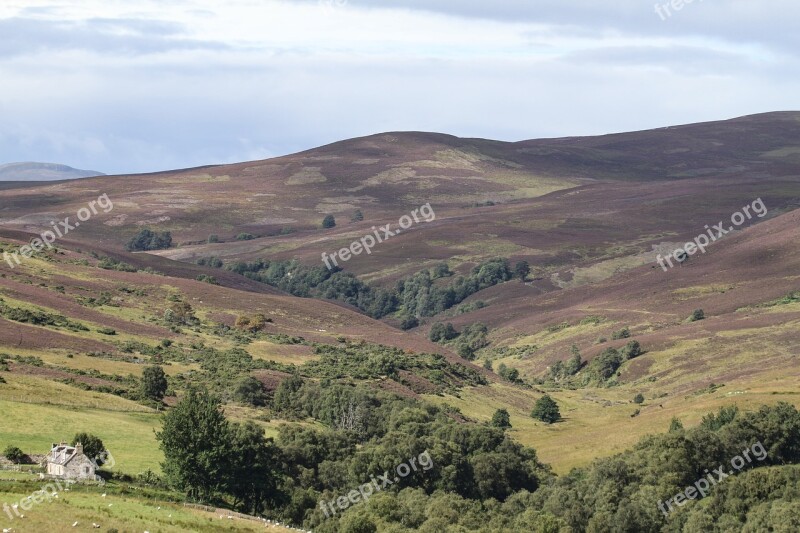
(79,323)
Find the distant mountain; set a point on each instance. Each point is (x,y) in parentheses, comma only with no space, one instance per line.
(30,171)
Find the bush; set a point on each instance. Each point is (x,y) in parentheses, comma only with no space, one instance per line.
(638,398)
(149,240)
(245,237)
(154,383)
(329,222)
(501,419)
(14,454)
(632,349)
(107,331)
(624,333)
(212,239)
(358,216)
(93,447)
(409,322)
(546,410)
(442,332)
(697,314)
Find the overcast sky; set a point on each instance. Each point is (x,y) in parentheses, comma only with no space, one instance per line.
(137,85)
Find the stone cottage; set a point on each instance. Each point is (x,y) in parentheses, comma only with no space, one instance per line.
(69,462)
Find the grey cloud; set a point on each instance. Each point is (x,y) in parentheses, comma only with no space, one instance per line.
(22,36)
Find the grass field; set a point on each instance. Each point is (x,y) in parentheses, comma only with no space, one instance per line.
(84,505)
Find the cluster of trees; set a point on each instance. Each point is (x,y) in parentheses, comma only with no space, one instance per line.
(467,342)
(148,239)
(420,297)
(413,297)
(214,460)
(599,371)
(481,480)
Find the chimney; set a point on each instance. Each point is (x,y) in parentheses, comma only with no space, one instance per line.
(78,448)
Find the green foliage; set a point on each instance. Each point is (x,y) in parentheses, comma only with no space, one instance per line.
(508,373)
(213,239)
(149,240)
(93,446)
(248,390)
(521,270)
(195,439)
(413,297)
(109,263)
(724,416)
(214,262)
(245,237)
(207,279)
(675,425)
(639,398)
(632,350)
(38,318)
(546,410)
(106,331)
(409,322)
(624,333)
(14,454)
(472,338)
(442,332)
(697,314)
(603,367)
(154,383)
(328,222)
(358,216)
(501,419)
(442,270)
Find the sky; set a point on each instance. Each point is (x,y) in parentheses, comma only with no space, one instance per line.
(125,86)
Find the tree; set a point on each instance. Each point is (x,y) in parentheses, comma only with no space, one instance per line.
(487,364)
(675,425)
(195,439)
(638,398)
(522,269)
(14,454)
(328,222)
(501,419)
(358,216)
(442,332)
(212,239)
(154,383)
(632,349)
(245,237)
(697,314)
(249,391)
(93,447)
(149,240)
(546,410)
(251,479)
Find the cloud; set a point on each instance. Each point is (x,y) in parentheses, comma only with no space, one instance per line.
(146,85)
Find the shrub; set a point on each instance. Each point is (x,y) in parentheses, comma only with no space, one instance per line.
(245,237)
(632,349)
(212,239)
(638,398)
(329,222)
(501,419)
(14,454)
(546,410)
(409,322)
(149,240)
(154,383)
(107,331)
(358,216)
(697,314)
(624,333)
